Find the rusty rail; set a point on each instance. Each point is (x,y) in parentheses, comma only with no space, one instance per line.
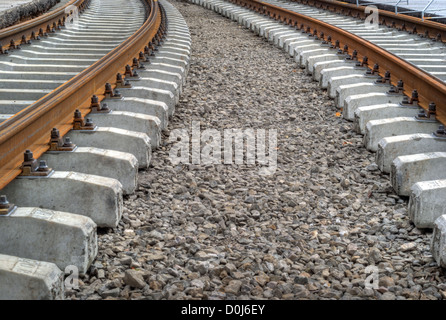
(30,128)
(429,88)
(413,25)
(16,35)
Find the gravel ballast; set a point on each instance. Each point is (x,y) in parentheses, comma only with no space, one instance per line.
(321,227)
(25,10)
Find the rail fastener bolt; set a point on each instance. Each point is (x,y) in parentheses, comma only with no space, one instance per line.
(6,208)
(31,168)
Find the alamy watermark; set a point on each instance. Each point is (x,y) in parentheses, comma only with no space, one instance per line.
(371,282)
(205,147)
(72,280)
(72,20)
(372,20)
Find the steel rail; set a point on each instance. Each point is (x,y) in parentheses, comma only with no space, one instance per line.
(429,88)
(29,30)
(413,25)
(31,127)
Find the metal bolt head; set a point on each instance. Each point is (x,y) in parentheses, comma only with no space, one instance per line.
(422,113)
(68,142)
(77,114)
(400,84)
(432,107)
(3,200)
(43,166)
(28,155)
(55,134)
(88,122)
(104,107)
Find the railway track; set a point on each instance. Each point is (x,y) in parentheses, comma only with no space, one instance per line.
(29,72)
(111,90)
(88,103)
(388,79)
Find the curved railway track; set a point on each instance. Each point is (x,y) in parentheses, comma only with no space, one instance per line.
(62,55)
(388,79)
(110,85)
(58,79)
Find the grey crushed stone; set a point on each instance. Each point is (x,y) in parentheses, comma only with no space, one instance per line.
(307,232)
